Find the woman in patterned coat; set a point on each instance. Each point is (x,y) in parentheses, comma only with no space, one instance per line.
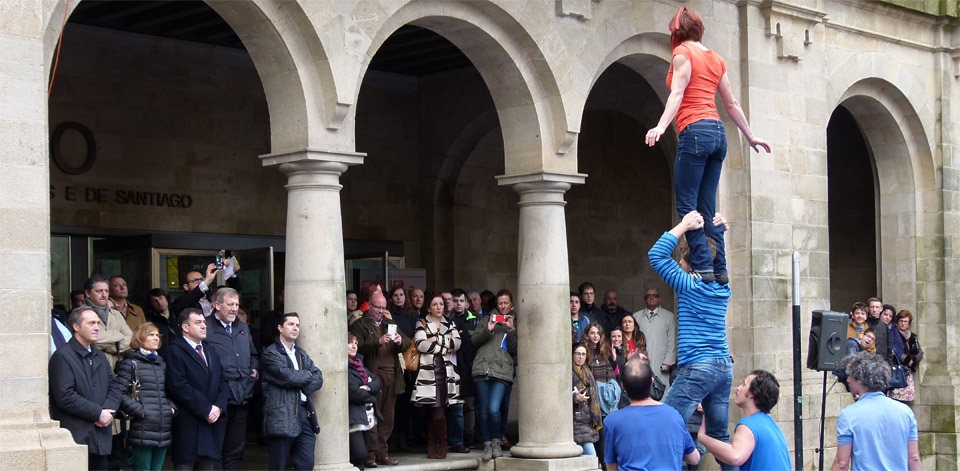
(438,385)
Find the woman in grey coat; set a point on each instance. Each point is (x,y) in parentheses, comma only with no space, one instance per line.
(145,401)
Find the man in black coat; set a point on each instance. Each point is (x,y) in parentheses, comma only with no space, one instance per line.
(84,394)
(196,286)
(234,344)
(290,422)
(196,384)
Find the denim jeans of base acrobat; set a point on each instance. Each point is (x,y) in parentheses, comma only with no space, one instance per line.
(701,148)
(707,382)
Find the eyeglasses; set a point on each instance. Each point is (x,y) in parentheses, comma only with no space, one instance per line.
(195,280)
(651,296)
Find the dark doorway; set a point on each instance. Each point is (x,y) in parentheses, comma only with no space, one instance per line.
(852,212)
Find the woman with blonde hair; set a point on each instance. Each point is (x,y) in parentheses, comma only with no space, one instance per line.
(438,385)
(145,403)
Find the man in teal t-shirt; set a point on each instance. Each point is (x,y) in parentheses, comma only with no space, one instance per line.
(758,442)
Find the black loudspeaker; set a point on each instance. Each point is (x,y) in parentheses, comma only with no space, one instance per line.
(828,337)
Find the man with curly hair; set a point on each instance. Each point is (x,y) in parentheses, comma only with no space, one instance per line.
(758,442)
(878,432)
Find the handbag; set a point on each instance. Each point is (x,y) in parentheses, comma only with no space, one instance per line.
(411,357)
(898,375)
(657,390)
(134,386)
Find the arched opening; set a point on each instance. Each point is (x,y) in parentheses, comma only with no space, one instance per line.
(422,111)
(852,212)
(627,201)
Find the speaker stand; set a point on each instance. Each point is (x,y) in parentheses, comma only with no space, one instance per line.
(823,413)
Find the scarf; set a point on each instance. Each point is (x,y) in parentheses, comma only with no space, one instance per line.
(152,356)
(586,379)
(853,332)
(871,349)
(356,363)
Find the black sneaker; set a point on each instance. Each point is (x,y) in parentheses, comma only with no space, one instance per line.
(706,276)
(722,278)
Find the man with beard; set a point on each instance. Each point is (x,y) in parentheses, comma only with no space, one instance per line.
(612,309)
(196,286)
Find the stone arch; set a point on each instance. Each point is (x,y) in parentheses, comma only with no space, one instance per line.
(525,93)
(290,59)
(905,182)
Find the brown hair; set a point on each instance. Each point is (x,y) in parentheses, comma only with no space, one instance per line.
(905,314)
(140,335)
(686,25)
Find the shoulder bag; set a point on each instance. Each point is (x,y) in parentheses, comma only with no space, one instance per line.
(411,357)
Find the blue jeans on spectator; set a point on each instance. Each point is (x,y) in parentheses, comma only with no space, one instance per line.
(707,382)
(454,415)
(588,448)
(505,410)
(701,148)
(489,397)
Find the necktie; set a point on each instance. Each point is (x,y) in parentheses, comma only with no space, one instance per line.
(200,351)
(230,330)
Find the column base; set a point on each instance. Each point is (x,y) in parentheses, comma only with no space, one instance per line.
(579,463)
(546,451)
(30,440)
(335,467)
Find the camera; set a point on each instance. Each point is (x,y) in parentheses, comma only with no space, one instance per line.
(219,260)
(499,318)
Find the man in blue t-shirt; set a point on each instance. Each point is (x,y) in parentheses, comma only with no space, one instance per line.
(647,435)
(877,431)
(704,365)
(758,442)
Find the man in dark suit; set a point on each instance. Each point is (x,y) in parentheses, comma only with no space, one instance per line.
(232,340)
(196,285)
(84,394)
(195,382)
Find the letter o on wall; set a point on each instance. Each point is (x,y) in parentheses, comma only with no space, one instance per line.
(57,153)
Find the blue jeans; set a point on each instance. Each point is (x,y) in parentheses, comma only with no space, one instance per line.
(588,449)
(701,148)
(455,425)
(489,397)
(707,382)
(505,410)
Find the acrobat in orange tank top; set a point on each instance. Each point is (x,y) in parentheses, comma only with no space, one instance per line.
(699,98)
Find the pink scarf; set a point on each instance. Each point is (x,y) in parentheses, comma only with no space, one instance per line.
(357,364)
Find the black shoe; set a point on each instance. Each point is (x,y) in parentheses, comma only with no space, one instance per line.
(722,278)
(706,276)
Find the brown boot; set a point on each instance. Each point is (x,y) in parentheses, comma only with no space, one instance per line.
(432,440)
(441,427)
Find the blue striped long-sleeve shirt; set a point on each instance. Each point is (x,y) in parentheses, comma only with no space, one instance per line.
(701,307)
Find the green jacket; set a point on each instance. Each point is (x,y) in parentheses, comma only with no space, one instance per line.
(492,361)
(368,345)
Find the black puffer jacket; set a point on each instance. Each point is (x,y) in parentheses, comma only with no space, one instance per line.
(151,414)
(359,398)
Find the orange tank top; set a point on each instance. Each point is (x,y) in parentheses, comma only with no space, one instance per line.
(699,98)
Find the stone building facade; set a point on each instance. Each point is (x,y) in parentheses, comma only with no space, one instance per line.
(524,170)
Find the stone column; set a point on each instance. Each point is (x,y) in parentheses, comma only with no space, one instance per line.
(542,301)
(314,285)
(28,438)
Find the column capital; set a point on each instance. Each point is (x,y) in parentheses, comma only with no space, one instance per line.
(313,155)
(542,179)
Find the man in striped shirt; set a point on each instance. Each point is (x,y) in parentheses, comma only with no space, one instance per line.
(705,368)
